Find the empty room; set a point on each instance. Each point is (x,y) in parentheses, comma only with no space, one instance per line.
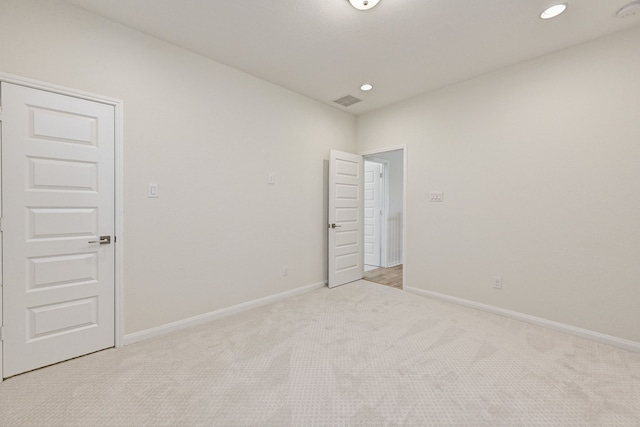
(340,212)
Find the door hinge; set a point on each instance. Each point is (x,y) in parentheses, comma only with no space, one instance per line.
(380,174)
(1,333)
(1,224)
(0,114)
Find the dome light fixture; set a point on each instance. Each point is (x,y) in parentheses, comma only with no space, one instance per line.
(629,10)
(365,87)
(553,11)
(363,4)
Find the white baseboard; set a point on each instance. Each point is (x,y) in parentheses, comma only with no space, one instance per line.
(583,333)
(223,312)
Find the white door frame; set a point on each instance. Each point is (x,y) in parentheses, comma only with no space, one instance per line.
(404,149)
(118,191)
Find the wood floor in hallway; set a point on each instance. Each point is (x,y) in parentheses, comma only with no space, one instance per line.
(391,276)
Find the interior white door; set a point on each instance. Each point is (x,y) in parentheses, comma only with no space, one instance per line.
(346,225)
(58,200)
(373,205)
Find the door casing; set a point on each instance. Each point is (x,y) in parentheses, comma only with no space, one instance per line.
(118,192)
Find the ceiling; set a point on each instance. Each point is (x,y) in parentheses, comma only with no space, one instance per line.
(326,49)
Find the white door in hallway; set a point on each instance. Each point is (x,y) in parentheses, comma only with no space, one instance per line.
(372,212)
(346,225)
(57,202)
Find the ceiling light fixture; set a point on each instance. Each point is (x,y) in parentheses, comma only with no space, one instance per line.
(363,4)
(365,87)
(553,11)
(629,10)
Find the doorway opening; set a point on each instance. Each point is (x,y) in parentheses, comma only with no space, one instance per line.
(384,207)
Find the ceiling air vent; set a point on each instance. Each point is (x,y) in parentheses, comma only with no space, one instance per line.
(348,100)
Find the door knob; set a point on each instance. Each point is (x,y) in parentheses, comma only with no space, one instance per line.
(104,240)
(334,226)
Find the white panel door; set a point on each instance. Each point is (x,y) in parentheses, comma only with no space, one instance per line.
(372,212)
(58,199)
(346,226)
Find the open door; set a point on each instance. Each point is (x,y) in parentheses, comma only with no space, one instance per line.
(374,213)
(346,225)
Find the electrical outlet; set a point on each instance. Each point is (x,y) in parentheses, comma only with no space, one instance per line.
(436,196)
(285,270)
(497,282)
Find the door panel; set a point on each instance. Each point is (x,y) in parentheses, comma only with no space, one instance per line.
(62,126)
(48,174)
(372,213)
(345,213)
(58,198)
(50,271)
(62,317)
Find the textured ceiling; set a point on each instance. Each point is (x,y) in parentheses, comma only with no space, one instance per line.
(326,49)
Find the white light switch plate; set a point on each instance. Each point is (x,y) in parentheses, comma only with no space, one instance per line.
(153,191)
(272,178)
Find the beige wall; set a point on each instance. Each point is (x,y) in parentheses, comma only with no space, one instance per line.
(540,168)
(209,135)
(538,162)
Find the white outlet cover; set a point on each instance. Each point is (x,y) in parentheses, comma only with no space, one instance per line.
(436,196)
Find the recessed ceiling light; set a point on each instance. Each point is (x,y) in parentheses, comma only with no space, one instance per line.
(553,11)
(363,4)
(365,87)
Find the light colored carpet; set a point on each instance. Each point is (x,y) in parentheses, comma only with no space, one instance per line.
(358,355)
